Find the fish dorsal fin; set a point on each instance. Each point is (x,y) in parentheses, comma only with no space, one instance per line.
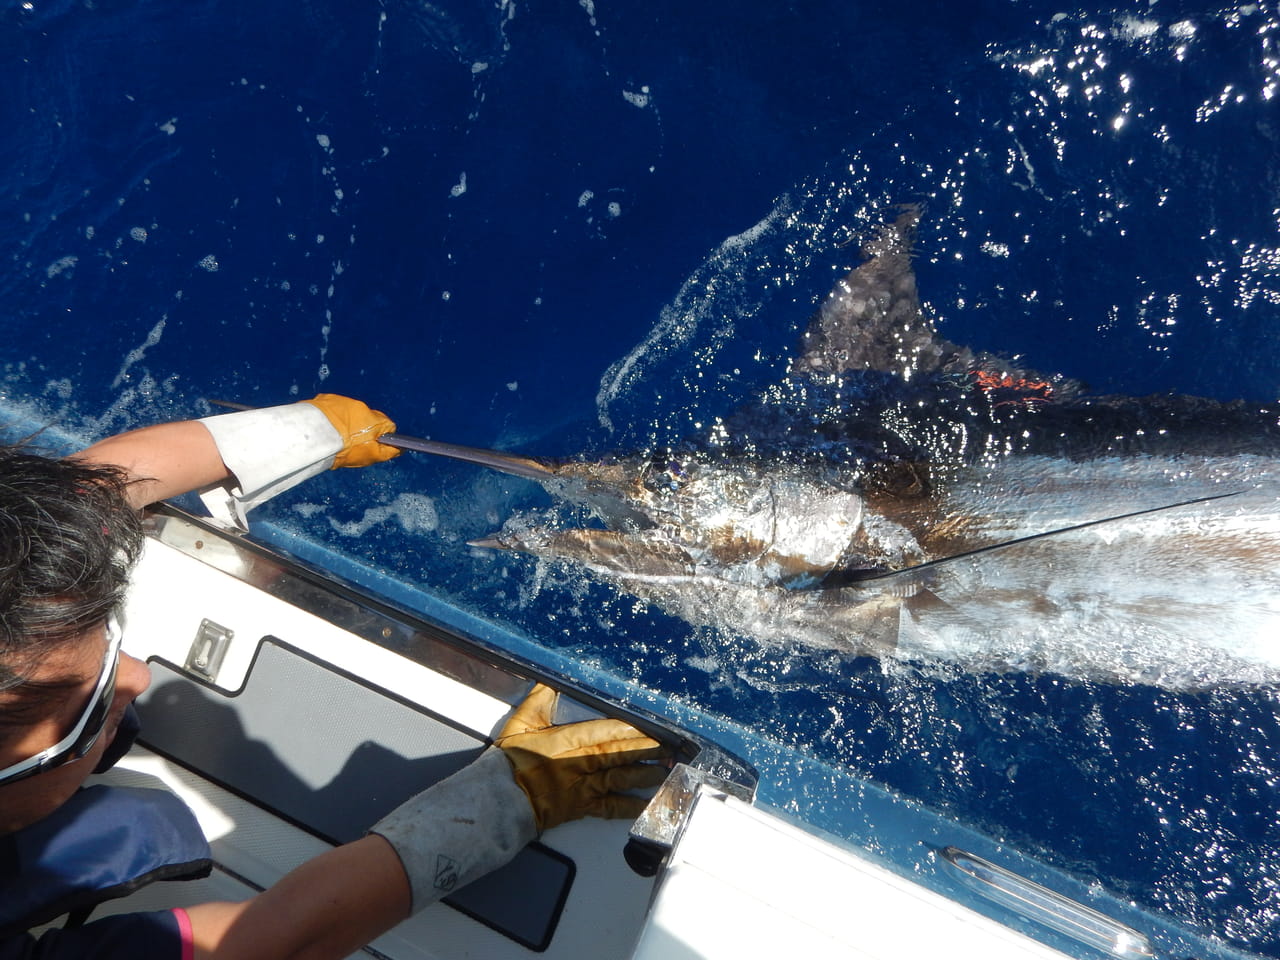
(907,575)
(871,319)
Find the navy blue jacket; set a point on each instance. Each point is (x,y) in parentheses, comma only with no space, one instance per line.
(103,843)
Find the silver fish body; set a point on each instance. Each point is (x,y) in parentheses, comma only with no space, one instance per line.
(880,499)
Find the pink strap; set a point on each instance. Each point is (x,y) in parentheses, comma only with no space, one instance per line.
(184,930)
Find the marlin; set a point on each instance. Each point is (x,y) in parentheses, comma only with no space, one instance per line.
(902,497)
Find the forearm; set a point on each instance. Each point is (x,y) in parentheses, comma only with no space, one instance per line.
(327,908)
(262,453)
(166,460)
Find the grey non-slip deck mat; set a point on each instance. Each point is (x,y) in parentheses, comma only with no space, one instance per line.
(332,754)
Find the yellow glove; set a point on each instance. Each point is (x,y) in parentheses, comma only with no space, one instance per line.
(359,428)
(577,769)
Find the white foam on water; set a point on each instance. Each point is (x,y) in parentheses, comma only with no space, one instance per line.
(60,266)
(414,512)
(1136,28)
(680,319)
(138,352)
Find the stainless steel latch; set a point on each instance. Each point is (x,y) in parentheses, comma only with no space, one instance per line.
(654,834)
(207,649)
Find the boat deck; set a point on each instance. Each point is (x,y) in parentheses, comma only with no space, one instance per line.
(290,712)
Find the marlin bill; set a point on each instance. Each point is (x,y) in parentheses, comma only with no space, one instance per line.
(899,496)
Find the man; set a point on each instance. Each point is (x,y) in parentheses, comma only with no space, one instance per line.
(69,534)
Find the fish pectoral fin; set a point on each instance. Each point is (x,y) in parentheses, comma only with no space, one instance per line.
(925,610)
(925,601)
(611,551)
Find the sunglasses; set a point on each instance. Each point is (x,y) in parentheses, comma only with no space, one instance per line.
(87,729)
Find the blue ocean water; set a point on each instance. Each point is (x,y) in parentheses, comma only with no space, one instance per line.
(586,227)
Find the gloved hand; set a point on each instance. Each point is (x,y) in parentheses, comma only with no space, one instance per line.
(359,427)
(476,820)
(271,449)
(577,769)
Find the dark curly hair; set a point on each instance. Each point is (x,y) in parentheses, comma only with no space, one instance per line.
(68,539)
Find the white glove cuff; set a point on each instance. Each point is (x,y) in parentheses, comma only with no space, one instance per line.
(460,829)
(267,451)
